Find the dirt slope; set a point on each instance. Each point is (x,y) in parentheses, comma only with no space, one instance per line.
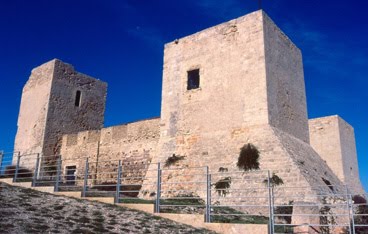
(28,211)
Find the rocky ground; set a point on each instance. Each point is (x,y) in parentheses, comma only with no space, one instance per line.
(28,211)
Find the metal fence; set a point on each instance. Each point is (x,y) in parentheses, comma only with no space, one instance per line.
(221,196)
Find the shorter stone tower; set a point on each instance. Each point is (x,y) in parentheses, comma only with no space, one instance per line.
(334,141)
(57,100)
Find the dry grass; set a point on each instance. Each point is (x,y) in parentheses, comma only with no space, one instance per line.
(28,211)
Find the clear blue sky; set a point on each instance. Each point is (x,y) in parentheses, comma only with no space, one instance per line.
(121,42)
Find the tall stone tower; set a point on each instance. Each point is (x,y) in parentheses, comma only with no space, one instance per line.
(334,140)
(236,83)
(57,100)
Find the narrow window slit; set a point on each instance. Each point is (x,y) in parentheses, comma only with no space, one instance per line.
(78,96)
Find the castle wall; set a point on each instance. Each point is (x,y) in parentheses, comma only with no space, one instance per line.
(334,140)
(251,90)
(33,113)
(134,144)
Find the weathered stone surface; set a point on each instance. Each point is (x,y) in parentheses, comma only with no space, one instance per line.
(134,144)
(48,108)
(251,91)
(334,140)
(306,213)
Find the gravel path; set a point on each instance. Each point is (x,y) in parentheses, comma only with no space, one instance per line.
(28,211)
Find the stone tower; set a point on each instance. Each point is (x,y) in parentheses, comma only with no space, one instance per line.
(236,83)
(57,100)
(334,140)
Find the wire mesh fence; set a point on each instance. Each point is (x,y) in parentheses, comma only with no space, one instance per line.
(221,196)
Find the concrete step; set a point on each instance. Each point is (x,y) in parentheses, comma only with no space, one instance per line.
(23,184)
(45,189)
(197,220)
(109,200)
(7,180)
(69,194)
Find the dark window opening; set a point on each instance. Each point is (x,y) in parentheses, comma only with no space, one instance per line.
(78,96)
(71,174)
(193,79)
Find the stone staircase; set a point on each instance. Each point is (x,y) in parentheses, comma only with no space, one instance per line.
(195,220)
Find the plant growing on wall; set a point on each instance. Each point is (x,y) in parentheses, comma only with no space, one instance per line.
(222,186)
(286,210)
(173,159)
(248,158)
(223,169)
(275,180)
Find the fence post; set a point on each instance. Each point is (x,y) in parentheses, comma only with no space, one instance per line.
(35,171)
(208,201)
(118,184)
(58,172)
(270,202)
(1,161)
(158,192)
(85,179)
(16,168)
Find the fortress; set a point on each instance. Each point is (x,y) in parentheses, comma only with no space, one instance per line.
(236,83)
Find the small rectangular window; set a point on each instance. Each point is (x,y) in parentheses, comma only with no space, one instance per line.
(193,79)
(78,96)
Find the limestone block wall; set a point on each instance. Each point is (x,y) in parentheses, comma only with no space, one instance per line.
(286,96)
(232,91)
(334,140)
(33,113)
(251,91)
(64,117)
(49,110)
(134,144)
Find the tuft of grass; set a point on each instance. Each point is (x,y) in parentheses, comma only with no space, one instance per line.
(222,186)
(275,180)
(223,169)
(173,159)
(221,215)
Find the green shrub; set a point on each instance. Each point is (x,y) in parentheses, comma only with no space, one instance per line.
(173,159)
(248,158)
(223,169)
(275,180)
(222,186)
